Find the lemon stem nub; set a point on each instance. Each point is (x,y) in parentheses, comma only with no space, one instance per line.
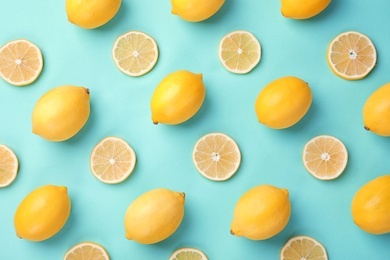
(365,127)
(231,232)
(87,90)
(154,122)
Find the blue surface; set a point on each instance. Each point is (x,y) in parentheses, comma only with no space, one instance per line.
(120,107)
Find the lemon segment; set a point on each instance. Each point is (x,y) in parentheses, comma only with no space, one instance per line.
(87,250)
(196,10)
(303,9)
(9,166)
(188,254)
(303,247)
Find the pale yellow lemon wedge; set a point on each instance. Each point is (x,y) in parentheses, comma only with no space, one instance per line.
(188,254)
(303,248)
(87,250)
(8,166)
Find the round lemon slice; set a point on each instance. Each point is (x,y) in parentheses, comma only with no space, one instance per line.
(325,157)
(112,160)
(216,156)
(8,166)
(188,254)
(303,247)
(351,55)
(87,250)
(20,62)
(239,52)
(135,53)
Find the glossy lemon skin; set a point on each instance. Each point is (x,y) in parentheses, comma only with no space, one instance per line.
(303,9)
(261,213)
(177,98)
(283,102)
(371,206)
(154,216)
(90,14)
(196,10)
(42,213)
(376,111)
(61,113)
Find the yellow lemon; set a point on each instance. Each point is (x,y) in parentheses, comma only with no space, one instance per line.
(61,112)
(177,98)
(90,14)
(196,10)
(154,216)
(371,206)
(42,213)
(283,102)
(376,111)
(303,9)
(261,213)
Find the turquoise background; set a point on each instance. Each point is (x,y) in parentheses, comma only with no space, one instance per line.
(120,107)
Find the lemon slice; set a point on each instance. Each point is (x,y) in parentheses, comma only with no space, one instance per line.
(87,250)
(8,166)
(351,55)
(188,254)
(112,160)
(216,156)
(135,53)
(325,157)
(303,248)
(20,62)
(239,52)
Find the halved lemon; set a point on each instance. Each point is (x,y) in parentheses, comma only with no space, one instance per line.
(135,53)
(239,52)
(8,166)
(303,248)
(112,160)
(351,55)
(20,62)
(216,156)
(87,250)
(325,157)
(188,254)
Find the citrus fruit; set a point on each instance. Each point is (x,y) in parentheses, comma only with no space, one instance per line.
(61,113)
(112,160)
(177,98)
(351,55)
(371,206)
(87,250)
(303,9)
(216,156)
(376,111)
(325,157)
(90,14)
(8,166)
(188,254)
(20,62)
(196,10)
(154,216)
(42,213)
(261,213)
(135,53)
(283,102)
(303,248)
(239,52)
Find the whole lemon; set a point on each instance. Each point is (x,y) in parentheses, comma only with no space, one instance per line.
(261,213)
(371,206)
(376,111)
(90,14)
(303,9)
(154,216)
(61,112)
(196,10)
(283,102)
(42,213)
(177,98)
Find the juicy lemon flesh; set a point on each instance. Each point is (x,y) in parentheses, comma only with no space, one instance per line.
(61,113)
(304,248)
(8,166)
(371,206)
(177,98)
(42,213)
(303,9)
(154,216)
(351,56)
(376,111)
(283,102)
(196,10)
(188,254)
(87,250)
(261,213)
(90,14)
